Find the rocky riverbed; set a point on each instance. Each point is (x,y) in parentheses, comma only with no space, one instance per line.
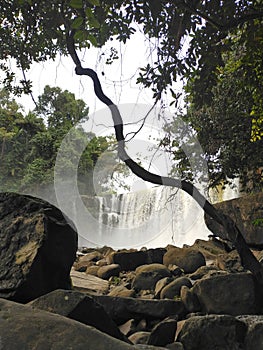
(192,298)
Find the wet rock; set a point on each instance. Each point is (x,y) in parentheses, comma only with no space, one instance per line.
(37,248)
(105,272)
(232,294)
(173,289)
(212,332)
(79,307)
(23,327)
(163,333)
(148,275)
(186,258)
(123,309)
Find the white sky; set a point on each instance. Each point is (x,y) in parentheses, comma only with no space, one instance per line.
(118,81)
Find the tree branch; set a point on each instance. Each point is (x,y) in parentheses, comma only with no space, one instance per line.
(233,233)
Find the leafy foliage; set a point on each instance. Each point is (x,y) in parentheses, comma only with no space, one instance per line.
(222,63)
(29,146)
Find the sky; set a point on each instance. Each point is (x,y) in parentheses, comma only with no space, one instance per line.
(118,79)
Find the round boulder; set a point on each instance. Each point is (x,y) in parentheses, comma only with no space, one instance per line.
(186,258)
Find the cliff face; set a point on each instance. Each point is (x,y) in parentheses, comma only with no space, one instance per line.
(247,212)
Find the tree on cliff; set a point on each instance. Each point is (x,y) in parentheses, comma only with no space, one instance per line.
(36,31)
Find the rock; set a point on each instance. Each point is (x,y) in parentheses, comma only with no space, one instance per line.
(245,211)
(147,347)
(175,270)
(105,272)
(128,327)
(129,260)
(163,333)
(212,332)
(254,336)
(123,309)
(102,262)
(230,262)
(37,248)
(202,271)
(155,256)
(173,289)
(186,258)
(79,307)
(189,300)
(121,291)
(161,284)
(139,337)
(87,260)
(148,275)
(88,283)
(232,294)
(210,248)
(23,327)
(175,346)
(92,270)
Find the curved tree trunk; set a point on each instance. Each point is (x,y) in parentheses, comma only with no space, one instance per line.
(234,235)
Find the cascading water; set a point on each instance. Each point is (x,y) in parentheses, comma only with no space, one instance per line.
(152,218)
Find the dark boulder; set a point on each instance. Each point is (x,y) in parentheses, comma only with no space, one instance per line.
(212,332)
(23,327)
(37,248)
(123,309)
(247,212)
(79,307)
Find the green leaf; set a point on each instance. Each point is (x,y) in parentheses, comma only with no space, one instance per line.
(92,39)
(93,22)
(76,4)
(77,23)
(94,2)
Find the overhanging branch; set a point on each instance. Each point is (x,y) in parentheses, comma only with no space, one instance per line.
(233,233)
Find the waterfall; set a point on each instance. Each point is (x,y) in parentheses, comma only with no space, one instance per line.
(153,218)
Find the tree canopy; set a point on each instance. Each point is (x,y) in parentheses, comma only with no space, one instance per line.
(29,142)
(36,31)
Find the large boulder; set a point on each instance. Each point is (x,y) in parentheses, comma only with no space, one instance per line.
(148,275)
(247,212)
(212,332)
(187,259)
(79,307)
(173,289)
(37,248)
(23,327)
(129,260)
(254,336)
(232,294)
(123,309)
